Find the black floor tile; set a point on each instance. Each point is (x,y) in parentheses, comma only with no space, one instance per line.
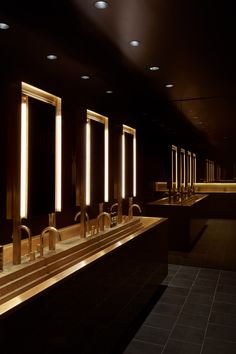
(192,320)
(139,347)
(195,308)
(152,334)
(181,282)
(227,289)
(177,347)
(205,273)
(175,290)
(224,297)
(206,282)
(160,321)
(224,307)
(218,347)
(199,298)
(224,333)
(186,275)
(224,319)
(188,334)
(172,299)
(167,309)
(202,290)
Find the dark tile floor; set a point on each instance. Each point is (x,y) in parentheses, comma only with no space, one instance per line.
(195,314)
(216,248)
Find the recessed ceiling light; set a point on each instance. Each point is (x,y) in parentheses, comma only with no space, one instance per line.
(195,117)
(109,91)
(169,85)
(51,57)
(134,43)
(101,5)
(154,68)
(85,77)
(4,26)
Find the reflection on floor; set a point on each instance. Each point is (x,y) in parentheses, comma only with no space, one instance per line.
(195,314)
(216,248)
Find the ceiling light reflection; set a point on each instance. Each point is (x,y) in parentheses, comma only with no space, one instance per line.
(4,26)
(101,5)
(134,43)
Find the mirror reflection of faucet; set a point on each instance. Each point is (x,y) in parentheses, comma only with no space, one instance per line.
(51,239)
(114,214)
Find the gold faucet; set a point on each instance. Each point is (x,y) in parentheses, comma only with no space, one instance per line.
(51,239)
(87,220)
(103,213)
(130,211)
(30,253)
(113,206)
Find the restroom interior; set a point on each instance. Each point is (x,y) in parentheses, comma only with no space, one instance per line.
(97,70)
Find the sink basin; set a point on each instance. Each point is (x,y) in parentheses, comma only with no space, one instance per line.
(20,282)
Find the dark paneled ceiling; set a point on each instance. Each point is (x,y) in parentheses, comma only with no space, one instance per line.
(192,43)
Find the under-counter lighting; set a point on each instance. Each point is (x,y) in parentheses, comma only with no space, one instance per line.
(4,26)
(24,158)
(134,43)
(154,68)
(52,57)
(101,5)
(34,92)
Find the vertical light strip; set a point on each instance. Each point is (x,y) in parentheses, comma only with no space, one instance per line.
(190,169)
(184,170)
(24,159)
(58,162)
(88,161)
(123,166)
(172,168)
(176,169)
(134,165)
(106,162)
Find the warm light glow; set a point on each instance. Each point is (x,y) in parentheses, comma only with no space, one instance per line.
(123,167)
(106,163)
(38,94)
(88,161)
(132,131)
(24,159)
(58,159)
(134,165)
(174,169)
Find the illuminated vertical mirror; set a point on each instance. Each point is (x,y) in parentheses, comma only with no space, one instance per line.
(36,101)
(182,168)
(174,166)
(194,168)
(189,168)
(128,162)
(97,158)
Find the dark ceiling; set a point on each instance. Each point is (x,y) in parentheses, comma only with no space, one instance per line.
(192,43)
